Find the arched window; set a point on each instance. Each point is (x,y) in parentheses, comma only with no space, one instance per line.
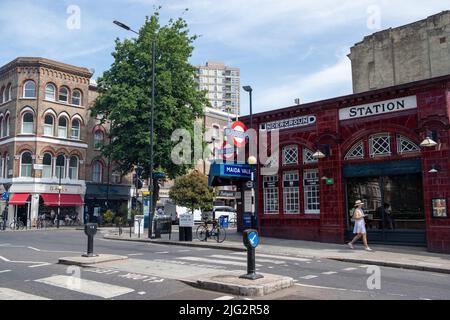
(47,166)
(26,163)
(62,127)
(60,166)
(7,93)
(2,91)
(97,171)
(29,89)
(76,97)
(98,139)
(2,163)
(290,155)
(75,134)
(27,123)
(2,125)
(73,168)
(63,94)
(50,92)
(6,128)
(356,152)
(48,125)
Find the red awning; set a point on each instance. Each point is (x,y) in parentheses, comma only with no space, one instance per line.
(19,199)
(66,200)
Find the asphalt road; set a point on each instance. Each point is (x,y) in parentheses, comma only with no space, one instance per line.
(28,266)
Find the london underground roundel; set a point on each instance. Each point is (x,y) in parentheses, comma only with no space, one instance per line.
(227,151)
(237,133)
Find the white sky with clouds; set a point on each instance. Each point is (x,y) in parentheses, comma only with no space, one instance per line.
(286,49)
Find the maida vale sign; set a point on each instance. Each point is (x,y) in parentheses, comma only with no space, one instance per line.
(378,108)
(289,123)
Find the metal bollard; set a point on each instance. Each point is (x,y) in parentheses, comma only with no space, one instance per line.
(90,229)
(251,241)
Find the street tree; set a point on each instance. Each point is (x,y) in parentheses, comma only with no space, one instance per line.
(192,191)
(125,97)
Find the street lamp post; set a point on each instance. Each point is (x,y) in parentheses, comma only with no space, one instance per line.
(252,160)
(150,184)
(6,185)
(59,198)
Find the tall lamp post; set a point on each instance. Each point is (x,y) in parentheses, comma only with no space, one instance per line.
(6,185)
(59,198)
(150,183)
(252,160)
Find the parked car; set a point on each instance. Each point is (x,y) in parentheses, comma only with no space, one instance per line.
(230,212)
(174,211)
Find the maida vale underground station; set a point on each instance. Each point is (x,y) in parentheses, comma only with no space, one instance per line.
(388,148)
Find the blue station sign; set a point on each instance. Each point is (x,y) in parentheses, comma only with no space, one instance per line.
(240,171)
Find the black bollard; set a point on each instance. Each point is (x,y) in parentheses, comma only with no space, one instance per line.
(251,241)
(90,229)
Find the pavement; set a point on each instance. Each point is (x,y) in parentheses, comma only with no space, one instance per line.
(414,258)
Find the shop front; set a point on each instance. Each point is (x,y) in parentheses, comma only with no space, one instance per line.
(389,148)
(29,201)
(100,197)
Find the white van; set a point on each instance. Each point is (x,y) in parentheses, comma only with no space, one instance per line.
(174,211)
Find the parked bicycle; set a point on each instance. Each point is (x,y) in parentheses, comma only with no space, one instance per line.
(16,224)
(211,229)
(2,223)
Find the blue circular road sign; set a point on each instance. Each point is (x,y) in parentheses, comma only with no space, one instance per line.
(253,239)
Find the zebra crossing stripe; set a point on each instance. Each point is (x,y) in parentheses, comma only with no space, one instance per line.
(309,277)
(224,298)
(10,294)
(275,257)
(99,289)
(329,272)
(216,261)
(220,256)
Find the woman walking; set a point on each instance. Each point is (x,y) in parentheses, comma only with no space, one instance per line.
(360,227)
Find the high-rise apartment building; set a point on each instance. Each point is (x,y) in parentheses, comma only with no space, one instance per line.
(222,84)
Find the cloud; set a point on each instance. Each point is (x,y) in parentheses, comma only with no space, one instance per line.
(328,82)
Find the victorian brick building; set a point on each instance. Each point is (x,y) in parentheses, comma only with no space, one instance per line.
(373,147)
(49,144)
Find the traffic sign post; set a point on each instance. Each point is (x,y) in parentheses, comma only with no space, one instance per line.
(251,241)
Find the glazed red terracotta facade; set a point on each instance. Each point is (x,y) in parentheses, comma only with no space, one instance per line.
(432,113)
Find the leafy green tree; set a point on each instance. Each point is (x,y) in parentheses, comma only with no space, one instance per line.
(192,191)
(125,97)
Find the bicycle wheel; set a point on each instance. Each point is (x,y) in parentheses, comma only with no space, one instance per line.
(220,235)
(20,225)
(202,232)
(13,225)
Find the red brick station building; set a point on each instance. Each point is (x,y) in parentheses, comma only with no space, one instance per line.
(373,147)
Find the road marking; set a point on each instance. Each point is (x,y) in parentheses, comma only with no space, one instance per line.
(308,277)
(270,267)
(142,293)
(4,244)
(224,298)
(329,272)
(319,287)
(183,250)
(4,259)
(4,271)
(10,294)
(364,266)
(424,299)
(35,249)
(396,294)
(135,254)
(99,289)
(40,265)
(220,256)
(275,257)
(211,261)
(162,252)
(349,269)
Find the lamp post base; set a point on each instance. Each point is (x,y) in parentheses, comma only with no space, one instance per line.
(89,255)
(251,276)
